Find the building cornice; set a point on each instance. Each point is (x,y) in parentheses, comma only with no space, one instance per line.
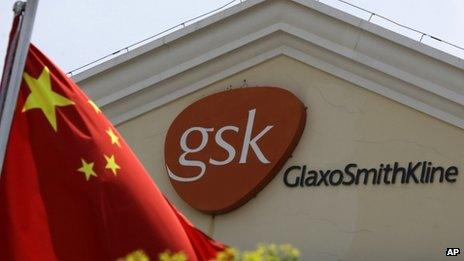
(310,32)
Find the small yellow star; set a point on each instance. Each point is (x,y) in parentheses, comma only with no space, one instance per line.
(87,169)
(94,106)
(114,138)
(43,97)
(111,164)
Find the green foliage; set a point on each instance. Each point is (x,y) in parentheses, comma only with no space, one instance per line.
(271,252)
(168,256)
(138,255)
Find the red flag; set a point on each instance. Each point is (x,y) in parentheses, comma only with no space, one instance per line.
(71,188)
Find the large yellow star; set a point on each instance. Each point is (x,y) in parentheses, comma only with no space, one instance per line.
(43,97)
(111,164)
(114,138)
(94,106)
(87,169)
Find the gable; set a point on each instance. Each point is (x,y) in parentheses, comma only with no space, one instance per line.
(243,36)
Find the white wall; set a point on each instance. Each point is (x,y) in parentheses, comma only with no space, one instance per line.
(345,124)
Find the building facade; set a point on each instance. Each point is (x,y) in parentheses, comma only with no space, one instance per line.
(374,98)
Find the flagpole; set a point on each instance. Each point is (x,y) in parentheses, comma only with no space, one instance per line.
(19,61)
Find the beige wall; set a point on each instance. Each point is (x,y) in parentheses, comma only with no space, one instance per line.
(346,123)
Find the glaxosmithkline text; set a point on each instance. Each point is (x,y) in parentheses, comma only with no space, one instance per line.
(418,172)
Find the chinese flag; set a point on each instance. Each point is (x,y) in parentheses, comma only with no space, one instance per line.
(72,189)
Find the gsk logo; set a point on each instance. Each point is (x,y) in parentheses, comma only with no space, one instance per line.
(223,149)
(248,143)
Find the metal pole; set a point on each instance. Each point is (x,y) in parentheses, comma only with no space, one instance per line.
(27,23)
(18,10)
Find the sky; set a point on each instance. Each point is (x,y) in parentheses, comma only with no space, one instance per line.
(73,33)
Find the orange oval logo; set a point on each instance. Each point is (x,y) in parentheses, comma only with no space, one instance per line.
(223,149)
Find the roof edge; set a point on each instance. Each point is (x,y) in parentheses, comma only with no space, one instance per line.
(315,5)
